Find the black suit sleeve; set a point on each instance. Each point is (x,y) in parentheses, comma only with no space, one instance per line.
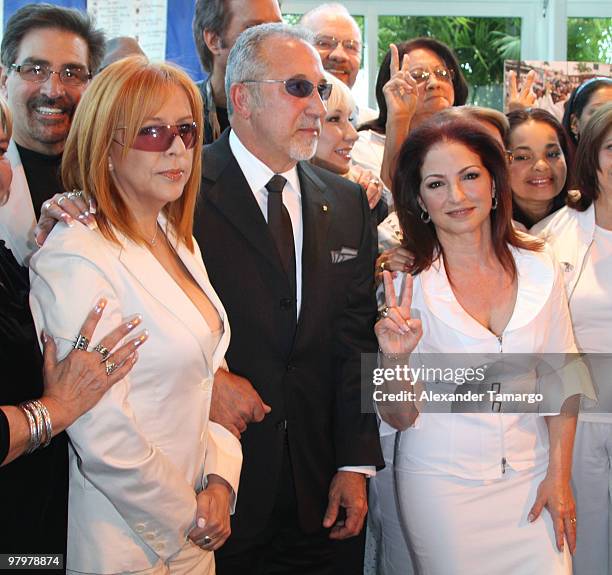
(356,433)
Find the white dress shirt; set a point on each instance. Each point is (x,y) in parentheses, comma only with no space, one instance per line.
(257,175)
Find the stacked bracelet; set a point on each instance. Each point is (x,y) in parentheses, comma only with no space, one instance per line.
(39,421)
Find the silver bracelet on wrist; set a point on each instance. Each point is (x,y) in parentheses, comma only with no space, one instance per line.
(47,421)
(39,421)
(34,430)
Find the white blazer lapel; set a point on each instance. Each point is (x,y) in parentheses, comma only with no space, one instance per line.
(143,266)
(17,219)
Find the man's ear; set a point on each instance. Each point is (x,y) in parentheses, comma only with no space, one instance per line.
(213,41)
(241,99)
(3,79)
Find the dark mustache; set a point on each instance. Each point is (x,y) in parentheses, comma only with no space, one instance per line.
(64,103)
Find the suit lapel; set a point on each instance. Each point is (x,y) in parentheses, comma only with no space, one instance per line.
(316,216)
(143,266)
(230,193)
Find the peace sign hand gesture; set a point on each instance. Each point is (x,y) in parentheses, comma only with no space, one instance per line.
(396,331)
(401,89)
(526,97)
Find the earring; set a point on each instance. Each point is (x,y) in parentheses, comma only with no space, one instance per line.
(493,197)
(110,165)
(425,217)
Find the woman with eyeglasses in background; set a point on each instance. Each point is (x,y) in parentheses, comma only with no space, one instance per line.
(540,156)
(152,481)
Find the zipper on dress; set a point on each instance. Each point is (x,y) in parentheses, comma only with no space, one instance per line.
(504,461)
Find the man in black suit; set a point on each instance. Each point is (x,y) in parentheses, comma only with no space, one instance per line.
(288,248)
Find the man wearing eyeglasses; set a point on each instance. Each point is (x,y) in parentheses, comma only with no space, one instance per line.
(216,25)
(339,43)
(47,56)
(300,302)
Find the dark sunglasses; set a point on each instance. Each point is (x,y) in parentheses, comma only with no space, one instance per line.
(298,87)
(160,138)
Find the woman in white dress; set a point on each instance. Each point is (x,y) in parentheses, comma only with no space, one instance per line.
(152,481)
(581,238)
(472,487)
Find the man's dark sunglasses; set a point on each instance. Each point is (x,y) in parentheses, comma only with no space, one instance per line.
(298,87)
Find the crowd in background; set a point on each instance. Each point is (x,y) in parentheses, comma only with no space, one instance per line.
(191,276)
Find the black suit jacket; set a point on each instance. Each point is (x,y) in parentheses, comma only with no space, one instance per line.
(310,376)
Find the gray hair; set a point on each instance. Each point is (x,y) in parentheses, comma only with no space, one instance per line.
(327,8)
(211,15)
(245,62)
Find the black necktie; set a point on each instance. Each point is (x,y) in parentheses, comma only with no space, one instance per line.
(279,223)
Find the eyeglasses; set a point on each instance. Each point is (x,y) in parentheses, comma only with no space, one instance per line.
(39,73)
(160,138)
(329,43)
(298,87)
(421,75)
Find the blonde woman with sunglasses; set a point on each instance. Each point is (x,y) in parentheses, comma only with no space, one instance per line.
(152,481)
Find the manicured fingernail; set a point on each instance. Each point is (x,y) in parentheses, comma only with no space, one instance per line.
(133,321)
(92,224)
(83,216)
(92,207)
(100,306)
(44,337)
(201,522)
(141,338)
(67,219)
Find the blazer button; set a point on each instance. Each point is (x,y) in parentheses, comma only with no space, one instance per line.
(139,527)
(281,425)
(286,303)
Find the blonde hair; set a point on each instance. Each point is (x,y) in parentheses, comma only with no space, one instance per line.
(341,96)
(6,118)
(123,95)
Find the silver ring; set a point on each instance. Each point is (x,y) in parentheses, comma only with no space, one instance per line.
(384,312)
(207,540)
(60,200)
(81,343)
(74,194)
(110,366)
(382,266)
(102,350)
(47,205)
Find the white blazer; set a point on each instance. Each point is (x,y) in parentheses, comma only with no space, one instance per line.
(17,217)
(474,445)
(140,456)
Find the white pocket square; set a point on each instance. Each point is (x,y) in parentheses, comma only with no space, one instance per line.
(343,255)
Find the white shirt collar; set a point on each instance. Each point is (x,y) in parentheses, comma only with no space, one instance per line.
(257,173)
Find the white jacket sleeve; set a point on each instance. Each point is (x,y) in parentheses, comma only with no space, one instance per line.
(223,457)
(115,456)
